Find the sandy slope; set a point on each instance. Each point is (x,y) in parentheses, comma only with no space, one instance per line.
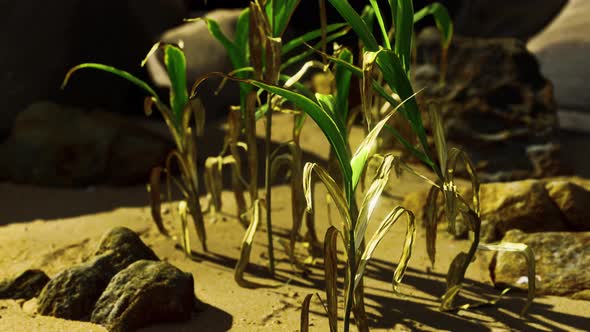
(51,229)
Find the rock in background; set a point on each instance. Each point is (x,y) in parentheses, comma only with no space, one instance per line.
(495,103)
(563,49)
(61,146)
(44,39)
(554,204)
(562,263)
(25,286)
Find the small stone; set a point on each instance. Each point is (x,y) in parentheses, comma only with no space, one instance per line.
(562,263)
(145,292)
(27,285)
(72,293)
(127,247)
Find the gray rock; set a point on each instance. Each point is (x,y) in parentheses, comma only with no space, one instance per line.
(555,204)
(61,146)
(126,247)
(195,37)
(145,292)
(73,292)
(48,38)
(562,49)
(26,286)
(562,263)
(495,105)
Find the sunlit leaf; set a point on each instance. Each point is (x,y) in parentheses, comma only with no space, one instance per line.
(528,254)
(176,66)
(246,247)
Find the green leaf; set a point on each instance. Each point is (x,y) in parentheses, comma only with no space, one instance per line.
(241,37)
(326,123)
(234,52)
(404,28)
(279,14)
(305,55)
(342,77)
(305,38)
(357,23)
(176,65)
(381,23)
(121,73)
(442,20)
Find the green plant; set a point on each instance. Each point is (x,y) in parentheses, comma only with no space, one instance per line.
(185,120)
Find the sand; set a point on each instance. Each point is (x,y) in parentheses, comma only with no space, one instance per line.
(50,229)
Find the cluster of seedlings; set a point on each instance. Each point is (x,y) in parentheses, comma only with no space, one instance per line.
(260,58)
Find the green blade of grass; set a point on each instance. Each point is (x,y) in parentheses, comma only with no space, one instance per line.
(379,17)
(442,19)
(305,55)
(307,37)
(404,28)
(176,66)
(357,23)
(342,77)
(280,14)
(241,37)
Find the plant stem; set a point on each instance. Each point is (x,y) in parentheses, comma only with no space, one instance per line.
(267,186)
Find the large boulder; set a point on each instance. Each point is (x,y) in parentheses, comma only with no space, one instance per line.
(495,105)
(44,39)
(563,49)
(562,262)
(25,286)
(60,146)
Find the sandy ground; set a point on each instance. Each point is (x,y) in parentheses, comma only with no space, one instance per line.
(51,229)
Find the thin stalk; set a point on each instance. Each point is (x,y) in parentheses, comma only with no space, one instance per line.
(267,186)
(351,256)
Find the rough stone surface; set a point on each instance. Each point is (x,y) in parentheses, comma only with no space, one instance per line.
(562,263)
(126,247)
(72,293)
(555,204)
(60,146)
(573,200)
(145,292)
(495,105)
(47,38)
(26,286)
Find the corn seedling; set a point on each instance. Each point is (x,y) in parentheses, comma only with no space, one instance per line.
(185,120)
(393,62)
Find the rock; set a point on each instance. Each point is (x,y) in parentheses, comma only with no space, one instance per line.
(195,37)
(126,246)
(26,286)
(555,204)
(490,18)
(73,292)
(572,200)
(523,205)
(562,263)
(562,50)
(63,146)
(145,292)
(47,39)
(495,105)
